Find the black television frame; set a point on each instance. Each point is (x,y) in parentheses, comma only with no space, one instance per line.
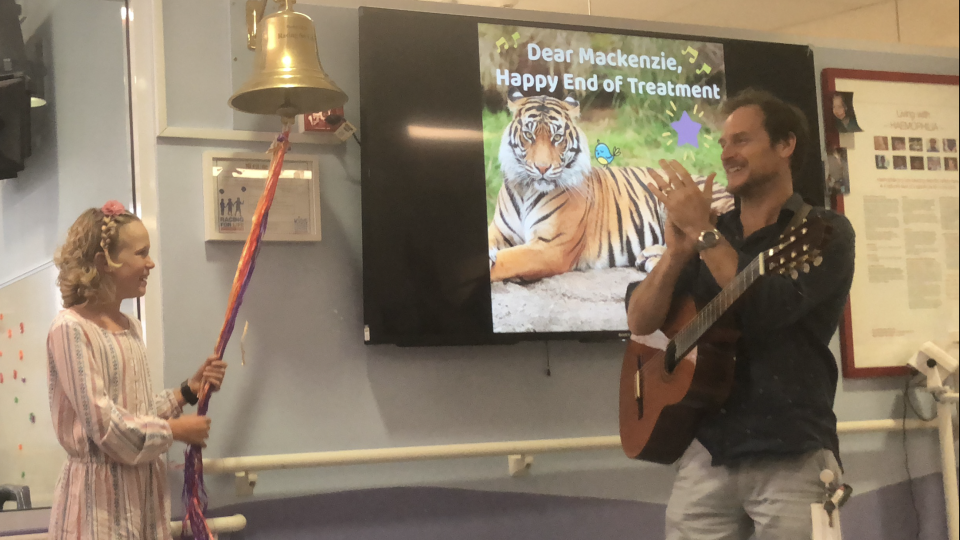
(400,51)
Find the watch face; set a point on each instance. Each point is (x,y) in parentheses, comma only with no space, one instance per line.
(708,239)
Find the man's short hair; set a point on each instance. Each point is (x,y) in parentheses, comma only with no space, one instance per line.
(780,119)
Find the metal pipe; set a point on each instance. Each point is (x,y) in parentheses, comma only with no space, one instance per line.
(949,466)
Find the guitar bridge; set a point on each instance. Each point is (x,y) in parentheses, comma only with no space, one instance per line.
(638,391)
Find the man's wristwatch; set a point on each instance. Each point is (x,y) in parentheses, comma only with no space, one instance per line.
(708,239)
(188,394)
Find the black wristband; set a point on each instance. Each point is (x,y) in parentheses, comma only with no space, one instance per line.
(188,394)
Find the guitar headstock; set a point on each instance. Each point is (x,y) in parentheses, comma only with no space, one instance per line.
(799,248)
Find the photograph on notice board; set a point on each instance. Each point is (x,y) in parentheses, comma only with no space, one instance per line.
(572,123)
(950,146)
(916,144)
(838,171)
(899,163)
(844,116)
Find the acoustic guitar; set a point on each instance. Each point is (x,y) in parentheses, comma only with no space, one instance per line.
(672,378)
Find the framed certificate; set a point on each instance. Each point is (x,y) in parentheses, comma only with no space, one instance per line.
(233,183)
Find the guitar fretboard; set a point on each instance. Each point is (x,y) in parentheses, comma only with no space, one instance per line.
(694,330)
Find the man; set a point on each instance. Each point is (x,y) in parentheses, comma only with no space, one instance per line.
(755,464)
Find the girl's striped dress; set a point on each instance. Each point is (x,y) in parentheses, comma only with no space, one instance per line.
(114,483)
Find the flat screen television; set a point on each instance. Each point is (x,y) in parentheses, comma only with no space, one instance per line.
(453,108)
(14,125)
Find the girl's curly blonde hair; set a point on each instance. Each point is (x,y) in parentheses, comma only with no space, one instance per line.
(93,232)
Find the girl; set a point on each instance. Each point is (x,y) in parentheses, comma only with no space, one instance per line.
(115,431)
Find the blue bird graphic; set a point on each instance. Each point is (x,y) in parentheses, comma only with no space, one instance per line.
(603,153)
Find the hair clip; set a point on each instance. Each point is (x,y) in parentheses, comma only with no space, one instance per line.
(113,209)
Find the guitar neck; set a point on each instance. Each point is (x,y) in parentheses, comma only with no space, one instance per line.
(706,317)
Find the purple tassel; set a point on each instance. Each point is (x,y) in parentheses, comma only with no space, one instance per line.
(193,455)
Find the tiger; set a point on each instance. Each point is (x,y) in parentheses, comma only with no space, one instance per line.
(555,212)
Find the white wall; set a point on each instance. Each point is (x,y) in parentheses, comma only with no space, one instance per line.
(81,143)
(311,385)
(930,23)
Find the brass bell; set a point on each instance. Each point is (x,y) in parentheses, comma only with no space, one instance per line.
(288,79)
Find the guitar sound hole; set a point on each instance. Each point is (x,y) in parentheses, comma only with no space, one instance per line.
(670,357)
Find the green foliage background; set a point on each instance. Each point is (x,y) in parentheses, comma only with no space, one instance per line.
(637,124)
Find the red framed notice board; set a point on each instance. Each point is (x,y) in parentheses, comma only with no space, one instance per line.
(892,167)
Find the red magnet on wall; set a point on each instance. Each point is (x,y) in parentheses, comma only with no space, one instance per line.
(14,374)
(21,354)
(21,328)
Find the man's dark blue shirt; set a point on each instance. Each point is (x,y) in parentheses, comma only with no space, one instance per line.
(785,376)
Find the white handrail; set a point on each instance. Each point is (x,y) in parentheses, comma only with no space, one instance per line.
(452,451)
(234,523)
(408,453)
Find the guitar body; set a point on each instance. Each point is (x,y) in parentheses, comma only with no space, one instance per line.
(660,423)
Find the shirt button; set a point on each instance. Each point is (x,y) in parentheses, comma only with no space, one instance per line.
(723,411)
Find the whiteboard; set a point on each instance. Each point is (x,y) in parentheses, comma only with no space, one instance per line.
(29,452)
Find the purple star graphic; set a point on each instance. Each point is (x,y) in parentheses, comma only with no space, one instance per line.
(687,131)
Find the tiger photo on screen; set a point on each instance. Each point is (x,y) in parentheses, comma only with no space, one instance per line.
(555,212)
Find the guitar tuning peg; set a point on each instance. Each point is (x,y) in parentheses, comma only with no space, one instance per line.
(794,274)
(783,260)
(818,261)
(806,268)
(803,231)
(770,253)
(793,254)
(793,239)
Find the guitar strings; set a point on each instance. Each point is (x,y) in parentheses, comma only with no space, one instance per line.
(712,305)
(754,265)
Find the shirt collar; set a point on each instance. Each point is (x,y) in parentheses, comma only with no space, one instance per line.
(787,211)
(731,220)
